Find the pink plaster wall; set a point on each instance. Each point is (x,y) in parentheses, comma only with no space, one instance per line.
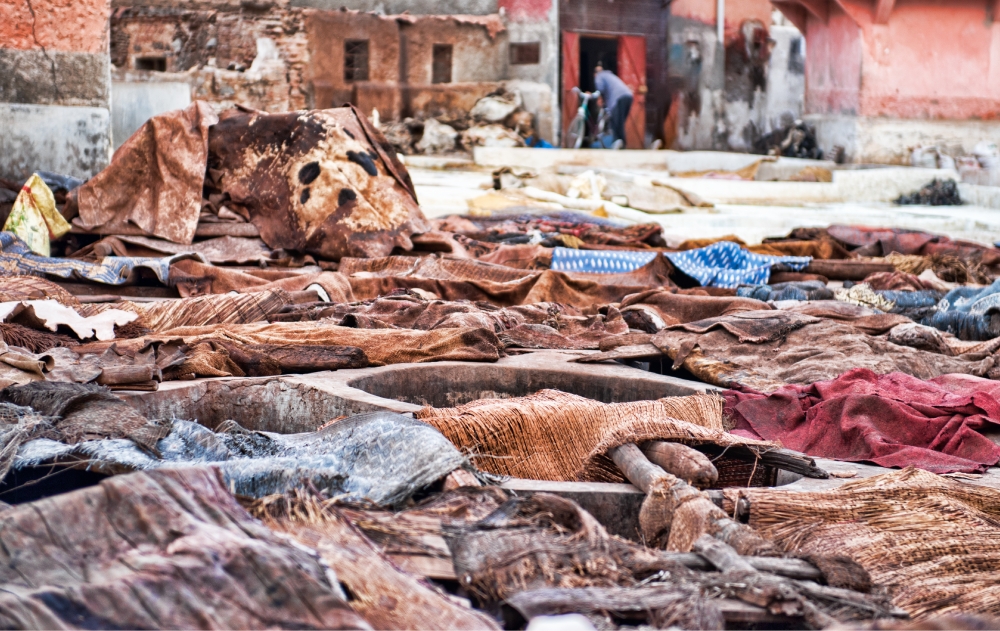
(525,10)
(932,60)
(79,26)
(935,59)
(833,64)
(737,12)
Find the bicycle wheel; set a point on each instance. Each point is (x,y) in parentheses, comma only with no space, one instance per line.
(577,130)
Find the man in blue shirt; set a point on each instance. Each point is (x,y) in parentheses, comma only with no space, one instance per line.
(617,100)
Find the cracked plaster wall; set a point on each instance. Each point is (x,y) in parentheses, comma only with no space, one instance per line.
(55,87)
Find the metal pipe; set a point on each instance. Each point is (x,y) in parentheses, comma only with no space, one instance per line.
(720,26)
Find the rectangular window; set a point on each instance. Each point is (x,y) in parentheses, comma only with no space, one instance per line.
(156,64)
(525,54)
(797,56)
(441,68)
(356,60)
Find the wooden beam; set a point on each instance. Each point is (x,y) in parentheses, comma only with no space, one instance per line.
(883,9)
(857,10)
(819,8)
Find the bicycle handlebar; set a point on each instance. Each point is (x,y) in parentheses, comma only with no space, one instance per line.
(589,95)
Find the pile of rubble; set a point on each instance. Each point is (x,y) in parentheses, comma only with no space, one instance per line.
(175,330)
(497,120)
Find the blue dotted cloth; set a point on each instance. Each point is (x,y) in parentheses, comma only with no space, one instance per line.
(725,264)
(599,261)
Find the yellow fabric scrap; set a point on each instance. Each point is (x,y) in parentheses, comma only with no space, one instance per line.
(34,218)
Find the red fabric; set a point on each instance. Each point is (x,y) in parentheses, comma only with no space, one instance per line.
(891,239)
(892,420)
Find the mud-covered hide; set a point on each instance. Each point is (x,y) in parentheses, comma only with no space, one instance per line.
(154,182)
(159,550)
(322,182)
(378,459)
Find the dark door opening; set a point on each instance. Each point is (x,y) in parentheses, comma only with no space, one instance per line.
(592,51)
(441,63)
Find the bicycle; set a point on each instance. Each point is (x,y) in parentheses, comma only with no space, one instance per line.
(584,131)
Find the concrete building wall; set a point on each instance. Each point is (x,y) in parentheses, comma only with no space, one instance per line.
(933,59)
(55,87)
(477,55)
(327,33)
(833,68)
(786,78)
(536,21)
(132,104)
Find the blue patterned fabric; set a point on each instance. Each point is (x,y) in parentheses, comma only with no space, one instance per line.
(725,264)
(17,258)
(800,290)
(599,261)
(967,313)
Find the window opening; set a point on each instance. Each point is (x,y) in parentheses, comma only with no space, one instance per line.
(525,54)
(356,60)
(441,67)
(156,64)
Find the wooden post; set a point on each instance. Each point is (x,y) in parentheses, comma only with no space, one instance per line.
(686,463)
(674,513)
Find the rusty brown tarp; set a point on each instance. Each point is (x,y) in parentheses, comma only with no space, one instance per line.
(384,595)
(381,346)
(930,542)
(238,250)
(818,350)
(154,181)
(654,309)
(158,550)
(192,278)
(538,325)
(199,311)
(466,279)
(324,182)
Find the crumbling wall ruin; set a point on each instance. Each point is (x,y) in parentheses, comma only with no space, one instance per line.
(256,55)
(276,57)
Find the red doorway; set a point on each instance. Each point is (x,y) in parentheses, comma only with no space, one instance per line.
(630,60)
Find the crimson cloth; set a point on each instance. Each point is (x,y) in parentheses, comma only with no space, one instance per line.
(893,420)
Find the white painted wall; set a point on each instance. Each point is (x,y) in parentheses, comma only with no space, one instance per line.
(132,104)
(63,139)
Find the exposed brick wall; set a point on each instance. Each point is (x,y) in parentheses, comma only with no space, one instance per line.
(79,26)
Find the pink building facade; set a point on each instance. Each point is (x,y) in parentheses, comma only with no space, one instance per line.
(886,75)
